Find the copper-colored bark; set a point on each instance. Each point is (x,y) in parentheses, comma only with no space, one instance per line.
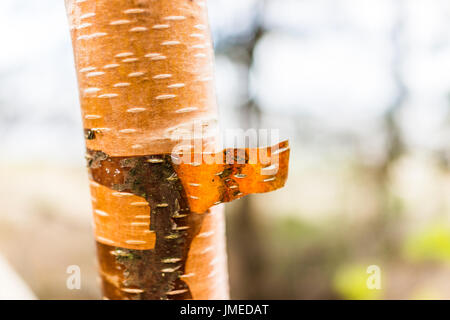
(144,70)
(235,176)
(145,75)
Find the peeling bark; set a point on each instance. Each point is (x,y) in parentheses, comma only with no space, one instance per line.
(145,71)
(149,274)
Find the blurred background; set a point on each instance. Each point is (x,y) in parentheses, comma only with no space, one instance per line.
(360,87)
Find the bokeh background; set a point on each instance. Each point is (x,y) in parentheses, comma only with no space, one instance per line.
(360,87)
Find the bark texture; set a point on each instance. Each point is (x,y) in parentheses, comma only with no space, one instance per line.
(145,71)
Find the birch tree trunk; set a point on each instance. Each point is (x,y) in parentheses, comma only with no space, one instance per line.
(145,71)
(145,75)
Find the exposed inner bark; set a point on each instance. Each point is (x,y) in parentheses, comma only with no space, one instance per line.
(147,274)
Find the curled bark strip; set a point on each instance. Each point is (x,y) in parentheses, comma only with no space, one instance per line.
(235,175)
(128,192)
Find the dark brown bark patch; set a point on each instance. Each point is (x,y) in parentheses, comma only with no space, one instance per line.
(147,274)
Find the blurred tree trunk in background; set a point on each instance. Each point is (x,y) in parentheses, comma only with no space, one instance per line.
(395,147)
(247,241)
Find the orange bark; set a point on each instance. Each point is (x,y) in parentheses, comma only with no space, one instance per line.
(145,71)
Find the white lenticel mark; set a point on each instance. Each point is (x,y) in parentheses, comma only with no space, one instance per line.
(176,292)
(170,43)
(270,168)
(131,290)
(170,270)
(280,150)
(95,74)
(123,54)
(135,242)
(200,26)
(181,228)
(162,76)
(205,234)
(210,248)
(200,55)
(101,130)
(119,22)
(134,10)
(111,66)
(92,116)
(136,110)
(92,36)
(137,146)
(194,184)
(142,216)
(102,239)
(212,274)
(174,18)
(83,25)
(130,60)
(91,90)
(140,224)
(160,26)
(269,179)
(198,46)
(139,204)
(138,29)
(121,84)
(101,213)
(87,69)
(108,95)
(205,79)
(94,184)
(188,109)
(197,35)
(159,58)
(87,15)
(128,131)
(152,55)
(122,194)
(165,96)
(135,74)
(176,85)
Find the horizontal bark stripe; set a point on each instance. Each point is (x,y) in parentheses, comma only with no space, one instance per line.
(121,219)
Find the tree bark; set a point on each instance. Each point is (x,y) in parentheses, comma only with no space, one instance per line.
(145,74)
(145,71)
